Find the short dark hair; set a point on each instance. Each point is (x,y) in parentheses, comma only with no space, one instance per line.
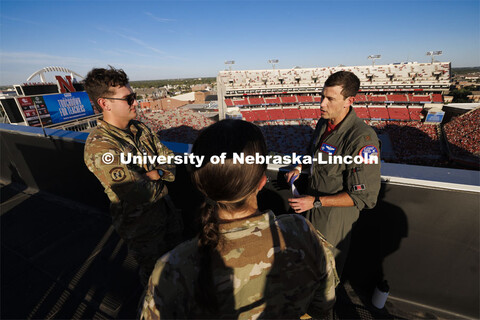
(99,81)
(348,80)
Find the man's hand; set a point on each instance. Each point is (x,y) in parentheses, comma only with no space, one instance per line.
(153,175)
(295,173)
(301,204)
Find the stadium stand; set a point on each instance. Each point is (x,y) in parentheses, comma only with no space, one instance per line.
(292,113)
(360,98)
(272,100)
(178,125)
(397,98)
(377,98)
(378,112)
(437,98)
(275,114)
(418,98)
(305,99)
(256,101)
(291,99)
(361,111)
(229,102)
(308,113)
(415,113)
(463,134)
(398,113)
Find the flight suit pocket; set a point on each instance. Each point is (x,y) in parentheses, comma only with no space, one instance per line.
(356,179)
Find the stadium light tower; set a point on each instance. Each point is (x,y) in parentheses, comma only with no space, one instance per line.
(273,62)
(374,57)
(230,62)
(433,54)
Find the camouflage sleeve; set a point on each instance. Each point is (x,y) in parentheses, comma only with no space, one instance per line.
(160,302)
(162,150)
(127,181)
(324,297)
(363,180)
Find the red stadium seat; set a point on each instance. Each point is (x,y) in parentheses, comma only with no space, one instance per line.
(378,112)
(304,98)
(275,114)
(398,113)
(397,97)
(417,98)
(308,113)
(261,115)
(292,113)
(415,113)
(360,98)
(292,99)
(256,101)
(362,112)
(377,98)
(248,116)
(229,102)
(240,102)
(437,98)
(272,100)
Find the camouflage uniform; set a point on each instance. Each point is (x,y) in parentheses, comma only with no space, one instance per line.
(360,181)
(140,208)
(267,267)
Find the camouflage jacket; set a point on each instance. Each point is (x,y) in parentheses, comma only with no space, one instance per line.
(268,267)
(132,194)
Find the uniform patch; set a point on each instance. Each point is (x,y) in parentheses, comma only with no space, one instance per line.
(117,174)
(358,187)
(328,148)
(367,152)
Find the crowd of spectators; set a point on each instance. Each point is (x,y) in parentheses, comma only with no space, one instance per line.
(413,142)
(463,134)
(178,125)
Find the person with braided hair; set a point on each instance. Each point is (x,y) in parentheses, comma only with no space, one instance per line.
(244,263)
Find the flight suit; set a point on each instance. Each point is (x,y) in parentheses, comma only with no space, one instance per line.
(140,208)
(361,181)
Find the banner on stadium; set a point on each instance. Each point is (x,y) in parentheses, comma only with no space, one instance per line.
(29,111)
(436,116)
(68,106)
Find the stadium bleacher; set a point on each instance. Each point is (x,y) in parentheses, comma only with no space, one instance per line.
(398,113)
(378,112)
(415,113)
(361,111)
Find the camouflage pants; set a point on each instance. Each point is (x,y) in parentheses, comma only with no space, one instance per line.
(166,235)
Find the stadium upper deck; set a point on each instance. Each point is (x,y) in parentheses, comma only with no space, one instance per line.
(409,84)
(393,76)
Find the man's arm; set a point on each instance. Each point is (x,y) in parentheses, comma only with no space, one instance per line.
(129,182)
(304,203)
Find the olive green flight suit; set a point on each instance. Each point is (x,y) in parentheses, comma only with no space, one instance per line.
(361,181)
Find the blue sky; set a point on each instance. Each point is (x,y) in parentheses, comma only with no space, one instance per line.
(177,39)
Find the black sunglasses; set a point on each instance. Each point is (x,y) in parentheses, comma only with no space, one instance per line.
(130,98)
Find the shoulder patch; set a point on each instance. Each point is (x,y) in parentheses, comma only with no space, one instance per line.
(367,152)
(325,147)
(117,174)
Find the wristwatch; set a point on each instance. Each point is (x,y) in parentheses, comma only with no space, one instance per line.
(160,172)
(317,203)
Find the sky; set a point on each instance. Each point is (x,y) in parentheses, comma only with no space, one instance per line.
(158,39)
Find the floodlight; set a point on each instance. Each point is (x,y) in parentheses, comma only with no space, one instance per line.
(374,57)
(433,54)
(273,62)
